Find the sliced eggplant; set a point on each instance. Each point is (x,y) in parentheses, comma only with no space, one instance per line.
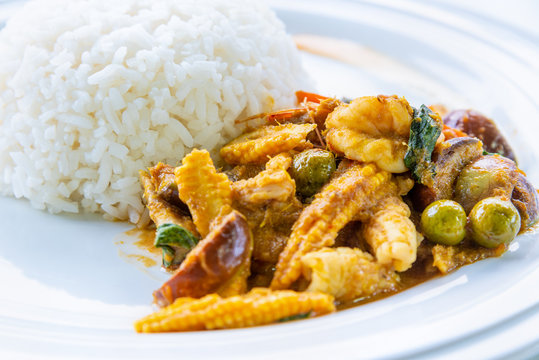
(526,200)
(487,176)
(478,125)
(448,162)
(215,260)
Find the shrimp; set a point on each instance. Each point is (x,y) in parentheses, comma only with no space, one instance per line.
(385,152)
(374,115)
(372,129)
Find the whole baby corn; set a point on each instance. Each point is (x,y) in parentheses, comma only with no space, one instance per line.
(257,146)
(352,189)
(207,193)
(258,307)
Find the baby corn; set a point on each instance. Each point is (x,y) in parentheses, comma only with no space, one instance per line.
(259,307)
(255,147)
(206,192)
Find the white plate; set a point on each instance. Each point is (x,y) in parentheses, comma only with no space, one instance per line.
(67,293)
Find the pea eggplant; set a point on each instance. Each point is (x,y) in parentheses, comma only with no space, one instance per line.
(493,222)
(444,222)
(311,169)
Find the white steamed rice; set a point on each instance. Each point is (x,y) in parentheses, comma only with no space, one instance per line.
(91,91)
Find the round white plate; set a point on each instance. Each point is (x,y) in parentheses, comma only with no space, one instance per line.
(67,292)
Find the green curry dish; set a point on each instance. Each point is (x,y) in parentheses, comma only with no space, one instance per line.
(175,241)
(425,129)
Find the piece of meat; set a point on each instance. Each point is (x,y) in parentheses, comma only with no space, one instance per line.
(271,225)
(269,202)
(244,172)
(322,111)
(165,186)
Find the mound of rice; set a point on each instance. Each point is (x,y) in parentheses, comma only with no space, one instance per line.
(93,91)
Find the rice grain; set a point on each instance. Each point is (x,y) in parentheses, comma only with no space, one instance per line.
(93,91)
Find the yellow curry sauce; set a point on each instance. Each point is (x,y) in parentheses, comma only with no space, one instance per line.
(323,207)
